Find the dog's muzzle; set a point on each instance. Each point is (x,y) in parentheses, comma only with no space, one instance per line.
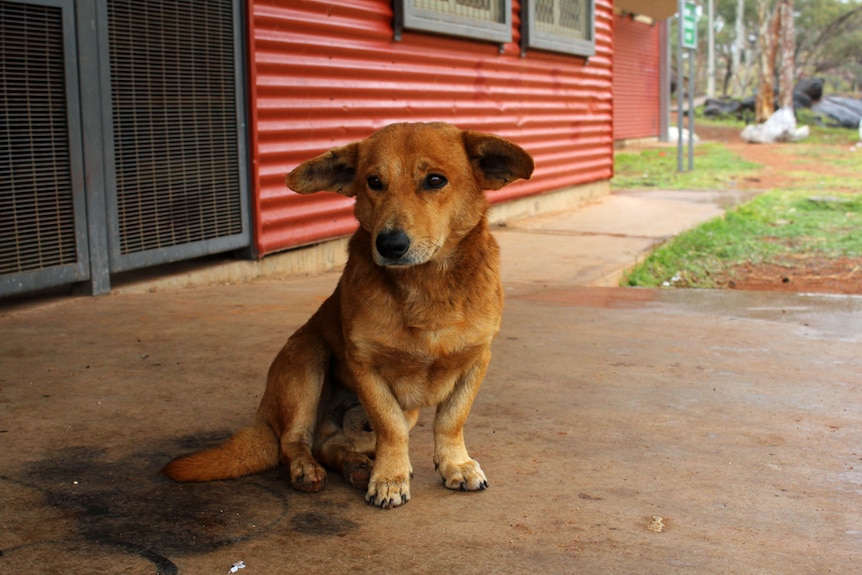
(392,245)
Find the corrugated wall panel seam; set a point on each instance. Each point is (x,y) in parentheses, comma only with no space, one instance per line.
(272,68)
(327,74)
(321,70)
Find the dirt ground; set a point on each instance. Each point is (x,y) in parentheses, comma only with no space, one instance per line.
(807,274)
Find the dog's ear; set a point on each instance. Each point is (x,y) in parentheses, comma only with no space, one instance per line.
(333,171)
(496,162)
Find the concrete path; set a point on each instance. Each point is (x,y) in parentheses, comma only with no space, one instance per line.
(622,431)
(595,244)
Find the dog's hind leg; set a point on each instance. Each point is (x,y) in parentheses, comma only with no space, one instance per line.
(344,440)
(290,405)
(338,448)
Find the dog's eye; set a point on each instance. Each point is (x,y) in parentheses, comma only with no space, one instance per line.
(374,183)
(435,181)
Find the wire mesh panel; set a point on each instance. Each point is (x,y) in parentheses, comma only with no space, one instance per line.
(484,10)
(177,165)
(489,20)
(566,18)
(37,219)
(559,25)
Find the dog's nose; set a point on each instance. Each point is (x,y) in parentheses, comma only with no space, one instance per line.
(392,244)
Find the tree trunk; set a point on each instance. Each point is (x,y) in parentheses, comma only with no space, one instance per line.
(767,44)
(738,47)
(787,67)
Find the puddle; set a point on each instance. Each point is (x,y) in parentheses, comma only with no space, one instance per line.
(725,199)
(819,316)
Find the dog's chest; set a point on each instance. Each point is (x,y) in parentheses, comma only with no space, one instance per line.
(423,364)
(423,375)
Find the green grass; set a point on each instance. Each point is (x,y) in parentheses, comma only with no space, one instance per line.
(819,213)
(715,167)
(846,160)
(771,228)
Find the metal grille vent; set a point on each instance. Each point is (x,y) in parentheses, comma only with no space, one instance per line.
(566,18)
(484,10)
(37,225)
(174,122)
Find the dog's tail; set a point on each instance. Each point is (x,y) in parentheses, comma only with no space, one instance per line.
(250,450)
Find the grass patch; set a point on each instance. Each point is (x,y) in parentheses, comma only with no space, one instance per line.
(714,167)
(847,158)
(769,229)
(820,183)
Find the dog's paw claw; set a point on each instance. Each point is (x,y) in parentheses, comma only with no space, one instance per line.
(388,494)
(463,477)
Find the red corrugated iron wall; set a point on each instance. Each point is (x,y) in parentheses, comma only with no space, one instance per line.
(636,79)
(325,74)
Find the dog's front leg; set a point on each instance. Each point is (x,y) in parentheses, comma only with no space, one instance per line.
(456,467)
(389,485)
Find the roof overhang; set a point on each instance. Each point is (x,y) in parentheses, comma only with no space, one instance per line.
(656,9)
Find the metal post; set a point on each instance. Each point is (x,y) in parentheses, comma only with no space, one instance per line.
(680,85)
(691,73)
(710,56)
(664,79)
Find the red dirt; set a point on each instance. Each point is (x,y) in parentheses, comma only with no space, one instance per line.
(807,273)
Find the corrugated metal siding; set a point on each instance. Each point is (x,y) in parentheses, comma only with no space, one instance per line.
(636,79)
(325,75)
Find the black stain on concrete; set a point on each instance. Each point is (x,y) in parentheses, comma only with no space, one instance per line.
(127,504)
(315,523)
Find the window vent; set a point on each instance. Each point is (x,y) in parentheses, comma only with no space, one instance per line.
(176,157)
(37,222)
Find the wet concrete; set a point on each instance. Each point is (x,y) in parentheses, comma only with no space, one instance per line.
(734,417)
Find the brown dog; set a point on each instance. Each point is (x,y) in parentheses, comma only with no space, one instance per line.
(409,325)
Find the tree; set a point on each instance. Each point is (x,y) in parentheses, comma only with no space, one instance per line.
(776,45)
(767,44)
(827,34)
(828,37)
(787,51)
(738,48)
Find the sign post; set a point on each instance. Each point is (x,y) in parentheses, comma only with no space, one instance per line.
(687,12)
(689,25)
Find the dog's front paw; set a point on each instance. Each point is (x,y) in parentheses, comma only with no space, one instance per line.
(388,493)
(466,476)
(307,476)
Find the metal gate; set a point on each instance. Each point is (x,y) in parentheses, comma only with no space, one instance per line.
(156,119)
(43,239)
(174,158)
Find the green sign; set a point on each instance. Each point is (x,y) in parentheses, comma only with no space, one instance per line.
(689,25)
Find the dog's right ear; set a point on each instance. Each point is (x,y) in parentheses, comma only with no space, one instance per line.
(496,162)
(333,171)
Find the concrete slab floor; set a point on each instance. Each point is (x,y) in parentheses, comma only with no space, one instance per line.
(734,417)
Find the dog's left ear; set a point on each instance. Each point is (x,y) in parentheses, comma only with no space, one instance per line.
(496,162)
(333,171)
